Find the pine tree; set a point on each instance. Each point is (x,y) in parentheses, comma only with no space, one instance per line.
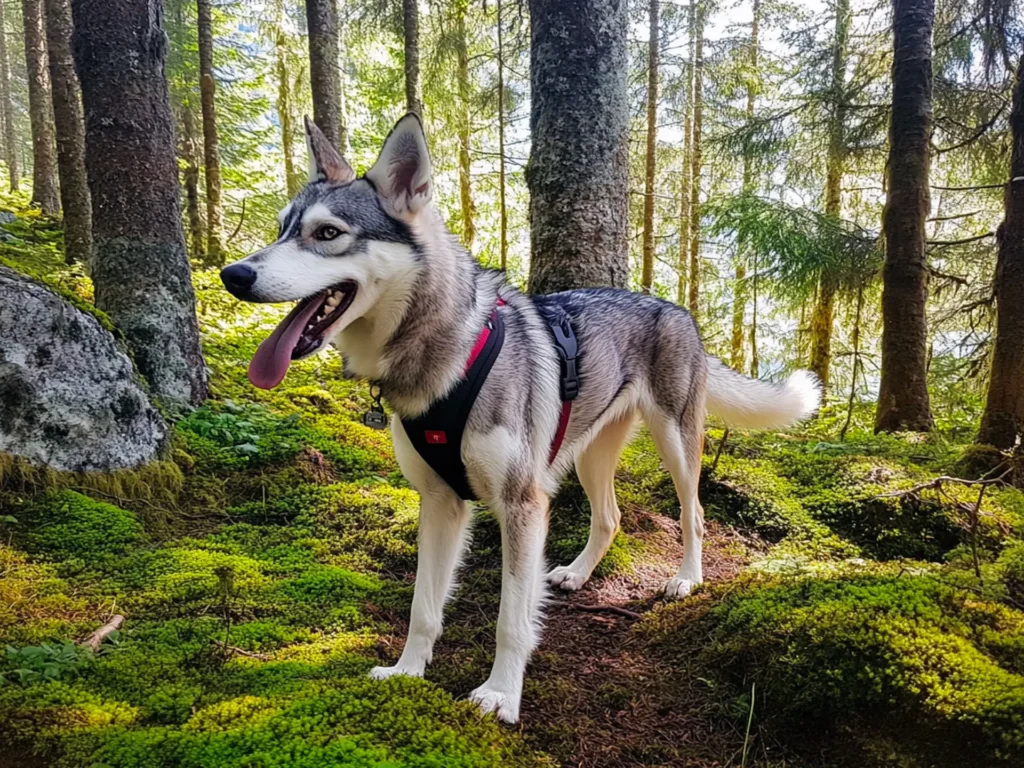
(578,169)
(464,127)
(69,125)
(696,159)
(7,107)
(140,270)
(211,141)
(647,276)
(903,402)
(324,73)
(502,182)
(411,28)
(687,180)
(40,108)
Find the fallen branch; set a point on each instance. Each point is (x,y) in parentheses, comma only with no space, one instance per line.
(243,652)
(606,609)
(936,485)
(95,640)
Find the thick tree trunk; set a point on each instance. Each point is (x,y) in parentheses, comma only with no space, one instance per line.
(501,145)
(7,107)
(903,391)
(211,152)
(70,129)
(739,305)
(293,183)
(40,108)
(823,314)
(465,188)
(687,181)
(139,267)
(1003,421)
(578,172)
(411,25)
(324,76)
(196,233)
(647,272)
(696,161)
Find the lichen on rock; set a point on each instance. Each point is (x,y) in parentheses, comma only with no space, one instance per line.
(69,395)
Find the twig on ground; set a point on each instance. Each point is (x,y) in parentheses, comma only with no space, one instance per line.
(936,484)
(718,452)
(243,652)
(606,609)
(95,640)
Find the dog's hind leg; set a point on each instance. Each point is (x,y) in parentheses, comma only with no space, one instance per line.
(443,536)
(523,516)
(679,442)
(595,467)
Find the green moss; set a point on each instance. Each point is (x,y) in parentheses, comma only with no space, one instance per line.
(860,647)
(66,524)
(1012,563)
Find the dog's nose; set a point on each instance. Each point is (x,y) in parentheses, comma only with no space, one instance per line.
(238,279)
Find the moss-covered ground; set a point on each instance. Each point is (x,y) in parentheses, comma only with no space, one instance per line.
(266,564)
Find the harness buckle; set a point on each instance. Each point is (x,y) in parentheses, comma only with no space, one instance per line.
(565,340)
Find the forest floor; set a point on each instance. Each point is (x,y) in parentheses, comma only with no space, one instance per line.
(266,564)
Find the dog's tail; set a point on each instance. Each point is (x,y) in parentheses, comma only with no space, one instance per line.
(750,404)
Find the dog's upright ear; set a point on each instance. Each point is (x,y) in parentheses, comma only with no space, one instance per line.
(325,162)
(402,173)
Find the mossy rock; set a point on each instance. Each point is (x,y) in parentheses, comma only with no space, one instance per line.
(69,525)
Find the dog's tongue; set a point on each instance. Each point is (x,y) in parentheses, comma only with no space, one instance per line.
(270,363)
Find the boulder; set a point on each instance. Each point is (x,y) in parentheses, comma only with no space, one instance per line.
(69,395)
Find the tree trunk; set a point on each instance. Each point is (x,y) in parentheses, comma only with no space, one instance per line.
(293,182)
(501,145)
(647,273)
(411,24)
(197,235)
(823,314)
(578,173)
(7,106)
(465,189)
(40,108)
(211,153)
(1003,421)
(903,391)
(324,77)
(70,129)
(739,305)
(684,195)
(695,161)
(139,269)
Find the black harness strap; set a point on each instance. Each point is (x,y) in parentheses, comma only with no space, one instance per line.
(437,434)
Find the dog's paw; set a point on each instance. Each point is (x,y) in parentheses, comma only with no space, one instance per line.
(677,588)
(504,705)
(383,673)
(564,577)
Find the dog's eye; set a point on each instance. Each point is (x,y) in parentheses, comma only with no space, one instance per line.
(327,232)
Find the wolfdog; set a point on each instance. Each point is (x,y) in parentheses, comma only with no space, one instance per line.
(377,275)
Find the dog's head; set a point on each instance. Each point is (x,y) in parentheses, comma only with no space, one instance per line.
(341,244)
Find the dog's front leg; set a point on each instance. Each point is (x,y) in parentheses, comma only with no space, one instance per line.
(443,532)
(524,520)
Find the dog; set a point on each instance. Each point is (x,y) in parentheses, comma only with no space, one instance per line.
(377,275)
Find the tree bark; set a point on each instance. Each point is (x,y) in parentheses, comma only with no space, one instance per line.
(40,108)
(578,173)
(324,77)
(293,182)
(501,146)
(696,161)
(685,187)
(903,402)
(196,232)
(211,152)
(7,107)
(739,305)
(411,25)
(139,268)
(1003,420)
(70,129)
(823,314)
(647,272)
(465,187)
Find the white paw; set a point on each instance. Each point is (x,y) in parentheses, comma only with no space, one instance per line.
(564,577)
(502,704)
(383,673)
(677,588)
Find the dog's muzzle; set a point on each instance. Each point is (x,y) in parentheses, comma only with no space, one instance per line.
(238,279)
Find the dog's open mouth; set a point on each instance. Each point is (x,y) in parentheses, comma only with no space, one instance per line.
(300,334)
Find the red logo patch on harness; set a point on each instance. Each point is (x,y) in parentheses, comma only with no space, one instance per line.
(436,437)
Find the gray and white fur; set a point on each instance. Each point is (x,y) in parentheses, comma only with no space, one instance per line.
(421,301)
